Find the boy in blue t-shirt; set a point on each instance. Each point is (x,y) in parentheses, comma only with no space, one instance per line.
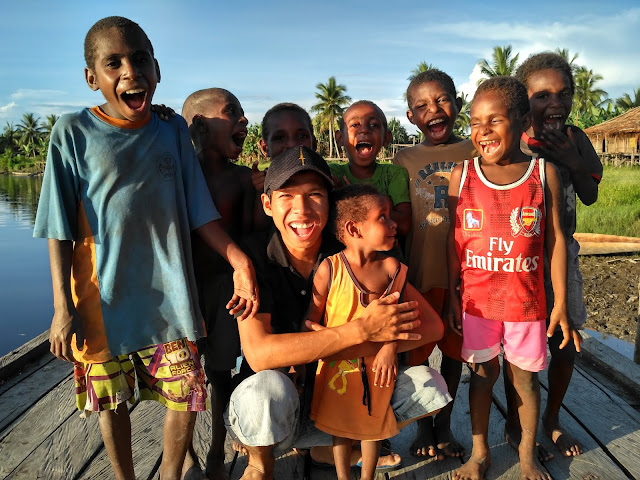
(121,193)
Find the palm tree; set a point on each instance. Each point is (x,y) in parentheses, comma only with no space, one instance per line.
(9,138)
(501,63)
(331,102)
(625,102)
(587,97)
(463,120)
(421,67)
(571,60)
(51,120)
(30,130)
(398,132)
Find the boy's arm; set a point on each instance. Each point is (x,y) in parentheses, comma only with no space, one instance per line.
(316,310)
(66,320)
(245,292)
(585,166)
(383,320)
(556,250)
(385,365)
(453,261)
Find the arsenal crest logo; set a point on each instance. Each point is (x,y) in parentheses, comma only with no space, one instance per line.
(525,221)
(473,219)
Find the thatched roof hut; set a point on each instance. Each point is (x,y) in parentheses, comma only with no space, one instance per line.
(618,136)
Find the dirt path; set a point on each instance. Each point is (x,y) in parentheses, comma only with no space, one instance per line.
(611,293)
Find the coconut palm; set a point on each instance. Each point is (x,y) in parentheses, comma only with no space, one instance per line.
(463,120)
(421,67)
(571,60)
(502,63)
(29,129)
(331,102)
(9,138)
(587,97)
(398,132)
(625,102)
(47,127)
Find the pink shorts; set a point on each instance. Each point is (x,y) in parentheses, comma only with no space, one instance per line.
(524,343)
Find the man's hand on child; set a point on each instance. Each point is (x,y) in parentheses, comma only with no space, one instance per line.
(559,317)
(560,147)
(163,111)
(454,316)
(257,177)
(245,292)
(64,325)
(385,320)
(385,366)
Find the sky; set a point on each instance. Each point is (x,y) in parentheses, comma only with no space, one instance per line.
(272,52)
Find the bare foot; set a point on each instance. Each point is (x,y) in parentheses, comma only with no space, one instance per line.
(533,471)
(254,473)
(323,457)
(447,446)
(474,469)
(215,470)
(238,447)
(424,445)
(566,443)
(512,437)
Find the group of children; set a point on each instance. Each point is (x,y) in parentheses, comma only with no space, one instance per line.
(487,227)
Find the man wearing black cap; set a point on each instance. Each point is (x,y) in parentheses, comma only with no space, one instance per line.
(265,413)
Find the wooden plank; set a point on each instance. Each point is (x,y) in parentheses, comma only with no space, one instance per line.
(17,400)
(14,361)
(603,238)
(27,370)
(147,419)
(594,461)
(600,248)
(35,427)
(607,418)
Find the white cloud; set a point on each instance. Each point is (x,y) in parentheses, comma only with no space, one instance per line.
(7,107)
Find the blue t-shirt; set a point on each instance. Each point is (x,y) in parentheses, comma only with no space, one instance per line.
(128,195)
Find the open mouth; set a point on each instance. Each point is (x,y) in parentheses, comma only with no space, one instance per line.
(303,229)
(489,146)
(134,98)
(238,138)
(437,127)
(554,121)
(364,148)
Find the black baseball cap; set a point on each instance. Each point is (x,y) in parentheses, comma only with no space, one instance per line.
(292,161)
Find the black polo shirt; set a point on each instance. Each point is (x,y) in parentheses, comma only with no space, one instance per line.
(284,293)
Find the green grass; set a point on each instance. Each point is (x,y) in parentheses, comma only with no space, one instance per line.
(617,211)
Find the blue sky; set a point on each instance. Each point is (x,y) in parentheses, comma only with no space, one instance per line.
(270,52)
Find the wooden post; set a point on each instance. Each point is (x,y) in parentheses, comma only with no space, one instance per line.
(636,351)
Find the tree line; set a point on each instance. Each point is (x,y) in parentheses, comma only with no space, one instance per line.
(23,146)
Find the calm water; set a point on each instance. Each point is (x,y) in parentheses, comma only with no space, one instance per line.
(25,281)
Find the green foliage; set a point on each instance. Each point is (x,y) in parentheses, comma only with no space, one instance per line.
(617,211)
(251,147)
(625,102)
(398,132)
(502,63)
(332,99)
(463,121)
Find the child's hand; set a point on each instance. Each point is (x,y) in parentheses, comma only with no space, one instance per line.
(245,292)
(163,111)
(65,323)
(454,315)
(385,366)
(257,177)
(560,147)
(559,317)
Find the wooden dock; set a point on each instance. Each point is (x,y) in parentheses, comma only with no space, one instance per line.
(43,437)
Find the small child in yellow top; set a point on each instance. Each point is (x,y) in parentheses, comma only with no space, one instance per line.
(344,284)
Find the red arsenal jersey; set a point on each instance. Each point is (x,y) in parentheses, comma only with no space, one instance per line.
(500,243)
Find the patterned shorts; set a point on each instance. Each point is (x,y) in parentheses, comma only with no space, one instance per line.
(169,373)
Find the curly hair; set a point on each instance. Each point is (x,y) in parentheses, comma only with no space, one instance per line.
(124,25)
(431,75)
(351,203)
(544,61)
(511,91)
(383,118)
(284,107)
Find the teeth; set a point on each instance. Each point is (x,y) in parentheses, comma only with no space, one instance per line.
(301,225)
(488,142)
(134,90)
(436,121)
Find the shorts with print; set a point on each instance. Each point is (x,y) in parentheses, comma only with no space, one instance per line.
(169,373)
(524,343)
